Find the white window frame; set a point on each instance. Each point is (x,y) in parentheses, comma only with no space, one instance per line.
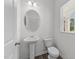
(62,20)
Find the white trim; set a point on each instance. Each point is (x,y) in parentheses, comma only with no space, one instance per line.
(40,53)
(68,32)
(8,43)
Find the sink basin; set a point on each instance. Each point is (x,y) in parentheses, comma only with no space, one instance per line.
(31,39)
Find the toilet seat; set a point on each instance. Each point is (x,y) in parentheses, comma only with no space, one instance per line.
(53,51)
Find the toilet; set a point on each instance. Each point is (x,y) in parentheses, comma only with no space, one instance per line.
(53,52)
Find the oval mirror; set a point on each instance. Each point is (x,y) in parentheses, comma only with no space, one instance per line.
(32,20)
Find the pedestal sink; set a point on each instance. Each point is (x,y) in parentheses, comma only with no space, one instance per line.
(31,40)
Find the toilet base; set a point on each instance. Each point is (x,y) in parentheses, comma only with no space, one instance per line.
(50,57)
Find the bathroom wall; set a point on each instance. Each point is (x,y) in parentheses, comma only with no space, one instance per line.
(45,11)
(46,26)
(65,42)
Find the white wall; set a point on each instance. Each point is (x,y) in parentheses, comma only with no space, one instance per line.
(45,29)
(65,42)
(46,18)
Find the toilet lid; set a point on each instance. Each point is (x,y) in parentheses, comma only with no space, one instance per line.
(53,51)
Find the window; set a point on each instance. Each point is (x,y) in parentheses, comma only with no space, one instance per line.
(67,11)
(72,24)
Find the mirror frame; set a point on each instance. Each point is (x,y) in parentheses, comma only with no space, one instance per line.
(26,22)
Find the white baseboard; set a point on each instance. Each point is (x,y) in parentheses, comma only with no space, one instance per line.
(40,53)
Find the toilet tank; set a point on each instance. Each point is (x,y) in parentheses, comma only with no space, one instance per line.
(48,42)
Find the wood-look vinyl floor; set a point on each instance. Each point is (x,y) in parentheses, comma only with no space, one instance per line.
(45,56)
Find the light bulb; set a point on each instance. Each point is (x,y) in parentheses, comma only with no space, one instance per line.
(35,4)
(30,3)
